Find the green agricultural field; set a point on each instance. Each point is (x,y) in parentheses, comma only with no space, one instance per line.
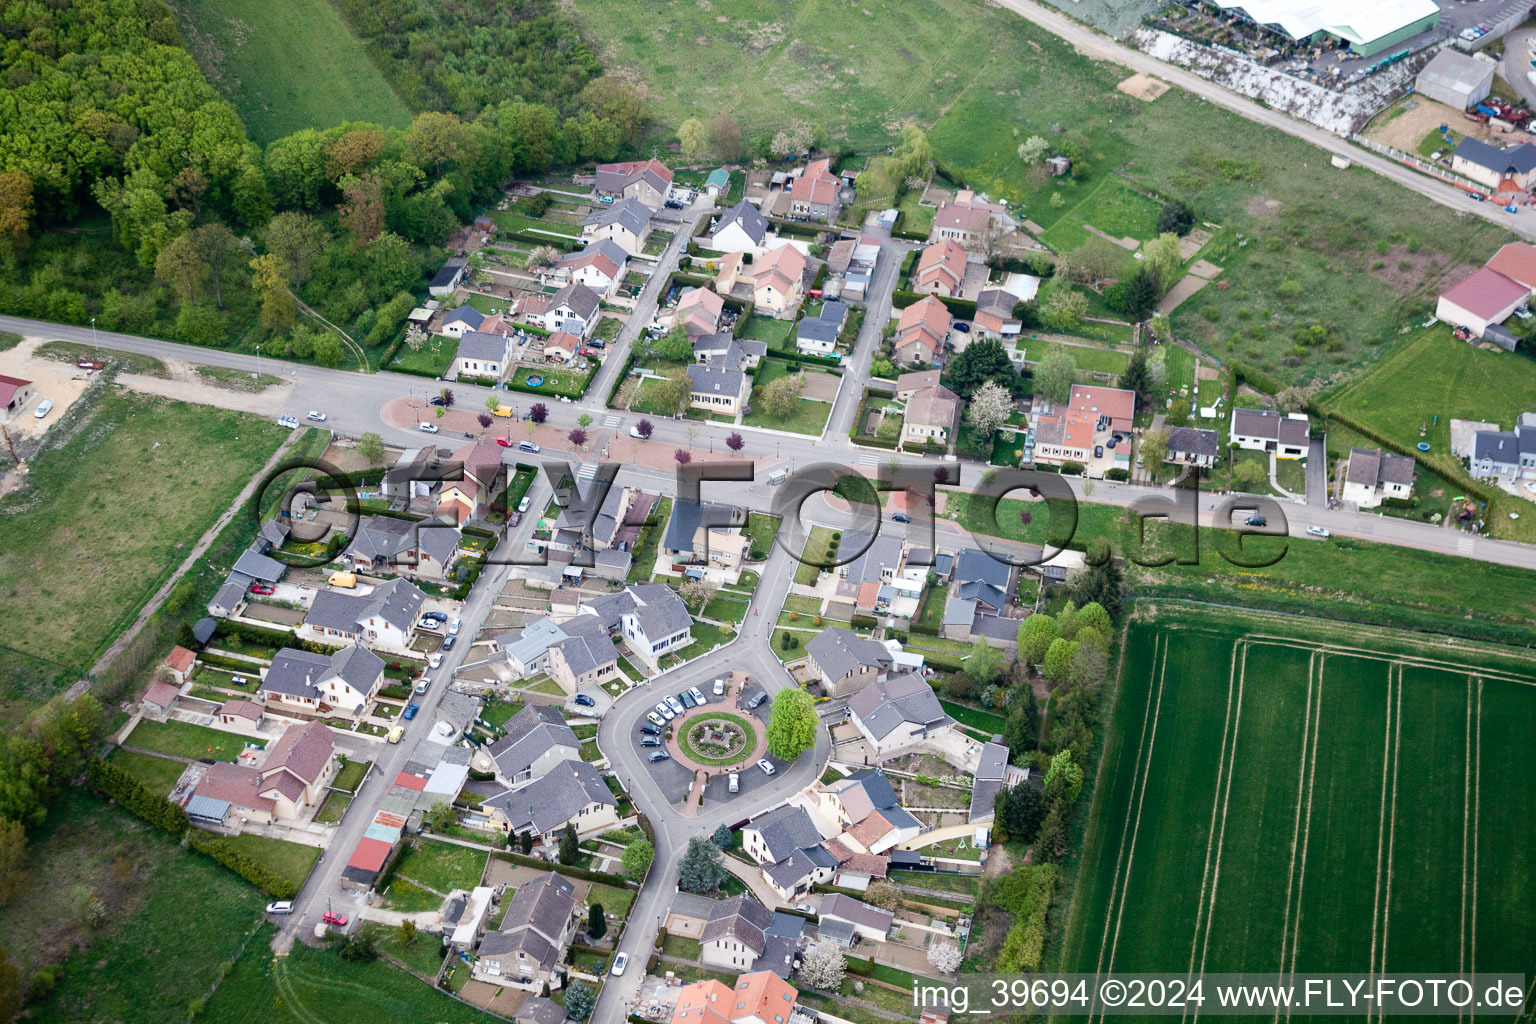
(77,540)
(1263,805)
(1300,239)
(287,65)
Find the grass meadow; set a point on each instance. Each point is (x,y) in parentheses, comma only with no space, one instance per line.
(287,65)
(1265,805)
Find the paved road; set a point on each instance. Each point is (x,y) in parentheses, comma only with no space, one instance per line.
(1516,62)
(1092,41)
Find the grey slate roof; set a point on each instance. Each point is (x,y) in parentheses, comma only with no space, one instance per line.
(301,673)
(741,918)
(981,590)
(260,567)
(959,612)
(785,829)
(577,515)
(975,564)
(686,517)
(868,790)
(900,700)
(380,537)
(1193,441)
(837,652)
(554,798)
(846,908)
(535,920)
(1267,423)
(712,379)
(606,247)
(884,552)
(580,299)
(484,347)
(631,214)
(991,772)
(531,732)
(816,329)
(469,314)
(998,627)
(396,602)
(1370,467)
(750,219)
(1520,160)
(538,1010)
(587,645)
(273,533)
(659,611)
(447,274)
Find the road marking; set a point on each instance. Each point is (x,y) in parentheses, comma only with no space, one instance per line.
(587,471)
(1465,544)
(613,421)
(869,459)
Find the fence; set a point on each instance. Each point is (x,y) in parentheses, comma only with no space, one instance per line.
(1420,164)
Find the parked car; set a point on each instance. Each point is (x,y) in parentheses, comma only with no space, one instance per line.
(900,517)
(1255,520)
(514,519)
(733,783)
(448,642)
(505,442)
(582,700)
(330,917)
(421,687)
(280,907)
(673,204)
(687,699)
(287,421)
(804,908)
(659,755)
(961,326)
(635,432)
(426,623)
(529,447)
(665,711)
(1098,451)
(619,963)
(698,695)
(757,701)
(522,506)
(650,741)
(262,588)
(720,687)
(1318,531)
(454,626)
(655,719)
(44,408)
(435,616)
(768,769)
(318,417)
(434,661)
(675,704)
(436,400)
(410,711)
(1112,441)
(649,729)
(427,428)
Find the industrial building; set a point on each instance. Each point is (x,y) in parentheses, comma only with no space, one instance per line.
(1368,26)
(1455,79)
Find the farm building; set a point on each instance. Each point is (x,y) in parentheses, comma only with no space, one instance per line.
(1485,298)
(1455,79)
(1368,26)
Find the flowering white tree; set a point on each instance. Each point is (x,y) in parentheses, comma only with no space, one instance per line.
(824,968)
(944,957)
(989,408)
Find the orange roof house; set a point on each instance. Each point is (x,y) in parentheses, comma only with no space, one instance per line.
(1517,261)
(940,269)
(921,331)
(761,997)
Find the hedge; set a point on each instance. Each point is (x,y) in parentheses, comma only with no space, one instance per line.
(1072,469)
(965,309)
(862,967)
(248,868)
(234,664)
(1252,375)
(606,877)
(256,634)
(111,781)
(618,382)
(863,621)
(795,227)
(356,507)
(1117,474)
(1457,473)
(552,241)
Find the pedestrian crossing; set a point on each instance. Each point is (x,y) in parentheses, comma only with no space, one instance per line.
(613,421)
(587,471)
(869,458)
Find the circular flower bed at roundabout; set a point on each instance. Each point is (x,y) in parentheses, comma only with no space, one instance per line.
(717,739)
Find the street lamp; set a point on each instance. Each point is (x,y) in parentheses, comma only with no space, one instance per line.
(257,374)
(94,343)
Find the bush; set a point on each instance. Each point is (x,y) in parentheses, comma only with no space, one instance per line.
(606,877)
(1073,469)
(1117,474)
(248,868)
(862,621)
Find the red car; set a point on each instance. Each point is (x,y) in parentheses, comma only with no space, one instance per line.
(339,920)
(504,442)
(261,588)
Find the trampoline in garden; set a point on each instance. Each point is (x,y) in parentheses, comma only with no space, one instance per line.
(535,381)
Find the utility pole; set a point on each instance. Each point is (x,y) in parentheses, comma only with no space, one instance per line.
(11,445)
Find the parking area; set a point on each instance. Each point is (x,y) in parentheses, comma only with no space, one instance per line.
(675,779)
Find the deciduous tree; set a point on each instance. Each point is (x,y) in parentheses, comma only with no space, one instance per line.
(823,968)
(725,133)
(1035,637)
(792,725)
(989,408)
(735,442)
(693,138)
(371,447)
(1055,374)
(944,957)
(782,396)
(637,858)
(1058,660)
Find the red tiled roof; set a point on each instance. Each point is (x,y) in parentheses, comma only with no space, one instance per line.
(1516,261)
(1116,404)
(1487,293)
(161,694)
(9,386)
(236,783)
(180,659)
(370,854)
(303,750)
(241,709)
(943,262)
(410,781)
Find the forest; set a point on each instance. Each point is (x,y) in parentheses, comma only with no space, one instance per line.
(131,194)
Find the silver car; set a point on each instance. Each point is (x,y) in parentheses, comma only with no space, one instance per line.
(665,712)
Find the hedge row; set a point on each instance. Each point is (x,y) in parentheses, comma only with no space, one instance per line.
(256,634)
(248,868)
(549,240)
(863,621)
(356,508)
(795,227)
(1456,473)
(1255,377)
(618,381)
(965,309)
(234,664)
(606,877)
(111,781)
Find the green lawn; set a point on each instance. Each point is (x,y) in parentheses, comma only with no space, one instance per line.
(77,541)
(350,775)
(817,549)
(157,773)
(335,806)
(749,731)
(644,553)
(647,401)
(613,899)
(183,739)
(1114,208)
(556,382)
(169,916)
(976,718)
(808,417)
(441,866)
(762,528)
(432,359)
(287,65)
(726,609)
(292,861)
(313,985)
(777,333)
(681,946)
(1089,359)
(705,639)
(1278,770)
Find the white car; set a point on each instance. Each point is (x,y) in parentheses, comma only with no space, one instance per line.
(720,687)
(280,907)
(698,694)
(635,433)
(427,428)
(434,661)
(427,624)
(1318,531)
(453,627)
(522,506)
(665,712)
(318,417)
(44,408)
(675,704)
(767,768)
(619,963)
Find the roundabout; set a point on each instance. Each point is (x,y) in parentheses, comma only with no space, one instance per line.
(716,739)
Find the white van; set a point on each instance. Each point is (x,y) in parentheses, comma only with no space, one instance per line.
(734,784)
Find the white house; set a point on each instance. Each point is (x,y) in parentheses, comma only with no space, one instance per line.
(898,713)
(573,308)
(1374,476)
(345,681)
(650,616)
(537,739)
(1191,446)
(386,616)
(459,322)
(538,924)
(740,229)
(1263,430)
(571,793)
(600,266)
(626,223)
(735,934)
(869,923)
(481,355)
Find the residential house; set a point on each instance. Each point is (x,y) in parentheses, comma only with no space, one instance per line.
(742,228)
(993,774)
(246,714)
(931,414)
(427,549)
(447,278)
(1373,476)
(413,475)
(650,616)
(940,269)
(180,664)
(586,656)
(790,850)
(574,308)
(15,393)
(994,314)
(346,681)
(1482,300)
(561,347)
(580,526)
(1264,430)
(1507,455)
(706,534)
(600,266)
(626,224)
(865,806)
(645,180)
(539,923)
(716,388)
(897,713)
(968,220)
(735,934)
(974,565)
(921,331)
(817,335)
(840,256)
(1091,417)
(536,739)
(909,384)
(228,790)
(718,183)
(459,322)
(481,355)
(761,997)
(720,349)
(465,916)
(868,922)
(483,477)
(777,281)
(845,661)
(699,311)
(1191,446)
(538,1010)
(297,773)
(385,616)
(571,792)
(1498,170)
(158,699)
(815,193)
